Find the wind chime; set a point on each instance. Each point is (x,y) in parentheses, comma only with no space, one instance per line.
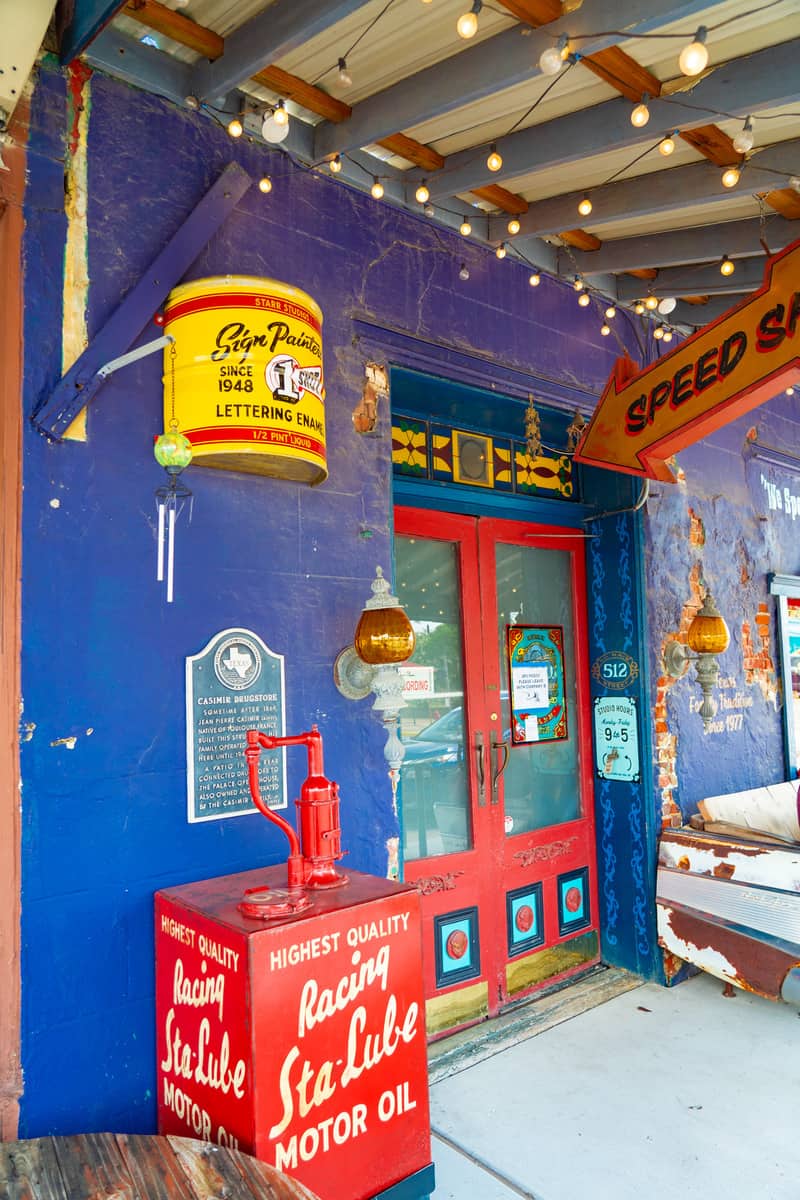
(173,451)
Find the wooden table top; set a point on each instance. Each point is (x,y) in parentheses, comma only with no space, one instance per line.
(117,1166)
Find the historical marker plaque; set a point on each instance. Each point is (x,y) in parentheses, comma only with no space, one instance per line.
(234,684)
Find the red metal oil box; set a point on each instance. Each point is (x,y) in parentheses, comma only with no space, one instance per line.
(300,1041)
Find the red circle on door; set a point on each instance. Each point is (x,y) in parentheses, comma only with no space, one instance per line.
(457,943)
(524,918)
(573,899)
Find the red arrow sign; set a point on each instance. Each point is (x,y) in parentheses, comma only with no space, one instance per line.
(716,375)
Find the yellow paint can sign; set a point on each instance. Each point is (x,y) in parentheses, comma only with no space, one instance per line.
(249,388)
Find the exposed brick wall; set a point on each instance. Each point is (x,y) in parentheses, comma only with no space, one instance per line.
(666,742)
(759,666)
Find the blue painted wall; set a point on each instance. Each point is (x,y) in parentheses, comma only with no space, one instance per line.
(104,823)
(715,528)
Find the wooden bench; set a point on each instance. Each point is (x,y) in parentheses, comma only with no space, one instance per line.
(728,891)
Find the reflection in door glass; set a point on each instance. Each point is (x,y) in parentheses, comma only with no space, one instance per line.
(434,791)
(534,587)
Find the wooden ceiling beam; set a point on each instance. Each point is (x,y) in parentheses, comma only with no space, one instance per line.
(713,143)
(534,12)
(312,98)
(580,239)
(623,73)
(415,152)
(500,197)
(175,25)
(786,201)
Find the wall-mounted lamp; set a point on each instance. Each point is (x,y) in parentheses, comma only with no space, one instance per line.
(384,638)
(708,636)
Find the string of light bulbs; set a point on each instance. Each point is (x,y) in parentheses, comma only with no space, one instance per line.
(344,75)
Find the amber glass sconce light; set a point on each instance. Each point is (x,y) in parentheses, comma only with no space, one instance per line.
(384,638)
(707,636)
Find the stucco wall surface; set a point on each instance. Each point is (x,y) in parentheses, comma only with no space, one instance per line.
(103,760)
(732,518)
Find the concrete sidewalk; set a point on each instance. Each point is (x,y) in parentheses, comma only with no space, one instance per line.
(654,1094)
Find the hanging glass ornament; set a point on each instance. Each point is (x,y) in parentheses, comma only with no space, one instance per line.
(533,429)
(575,431)
(173,452)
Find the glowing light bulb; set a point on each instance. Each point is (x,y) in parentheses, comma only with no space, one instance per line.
(743,141)
(534,279)
(585,206)
(465,229)
(578,284)
(667,305)
(730,177)
(794,182)
(494,162)
(639,308)
(611,312)
(377,189)
(467,23)
(727,266)
(464,272)
(658,333)
(501,250)
(513,226)
(694,57)
(335,165)
(641,113)
(235,128)
(345,78)
(790,391)
(667,145)
(584,299)
(651,302)
(275,126)
(667,335)
(553,58)
(605,330)
(422,195)
(265,185)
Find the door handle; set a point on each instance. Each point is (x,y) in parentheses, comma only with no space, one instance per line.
(480,750)
(499,766)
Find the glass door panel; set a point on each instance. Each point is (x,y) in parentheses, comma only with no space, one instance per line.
(534,587)
(434,776)
(497,838)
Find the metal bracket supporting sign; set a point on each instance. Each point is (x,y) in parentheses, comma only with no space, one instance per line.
(126,323)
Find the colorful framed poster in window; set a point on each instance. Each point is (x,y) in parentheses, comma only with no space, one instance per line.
(536,683)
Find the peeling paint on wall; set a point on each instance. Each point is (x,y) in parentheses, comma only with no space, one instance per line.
(697,530)
(376,388)
(757,661)
(393,865)
(75,335)
(666,742)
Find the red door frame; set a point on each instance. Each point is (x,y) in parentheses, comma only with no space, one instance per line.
(470,878)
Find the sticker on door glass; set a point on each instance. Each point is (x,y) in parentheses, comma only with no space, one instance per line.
(616,738)
(535,659)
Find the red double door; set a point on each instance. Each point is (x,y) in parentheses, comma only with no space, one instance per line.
(496,784)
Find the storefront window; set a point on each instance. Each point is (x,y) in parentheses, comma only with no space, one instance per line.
(787,590)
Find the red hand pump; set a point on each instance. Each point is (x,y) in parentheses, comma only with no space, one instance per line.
(311,855)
